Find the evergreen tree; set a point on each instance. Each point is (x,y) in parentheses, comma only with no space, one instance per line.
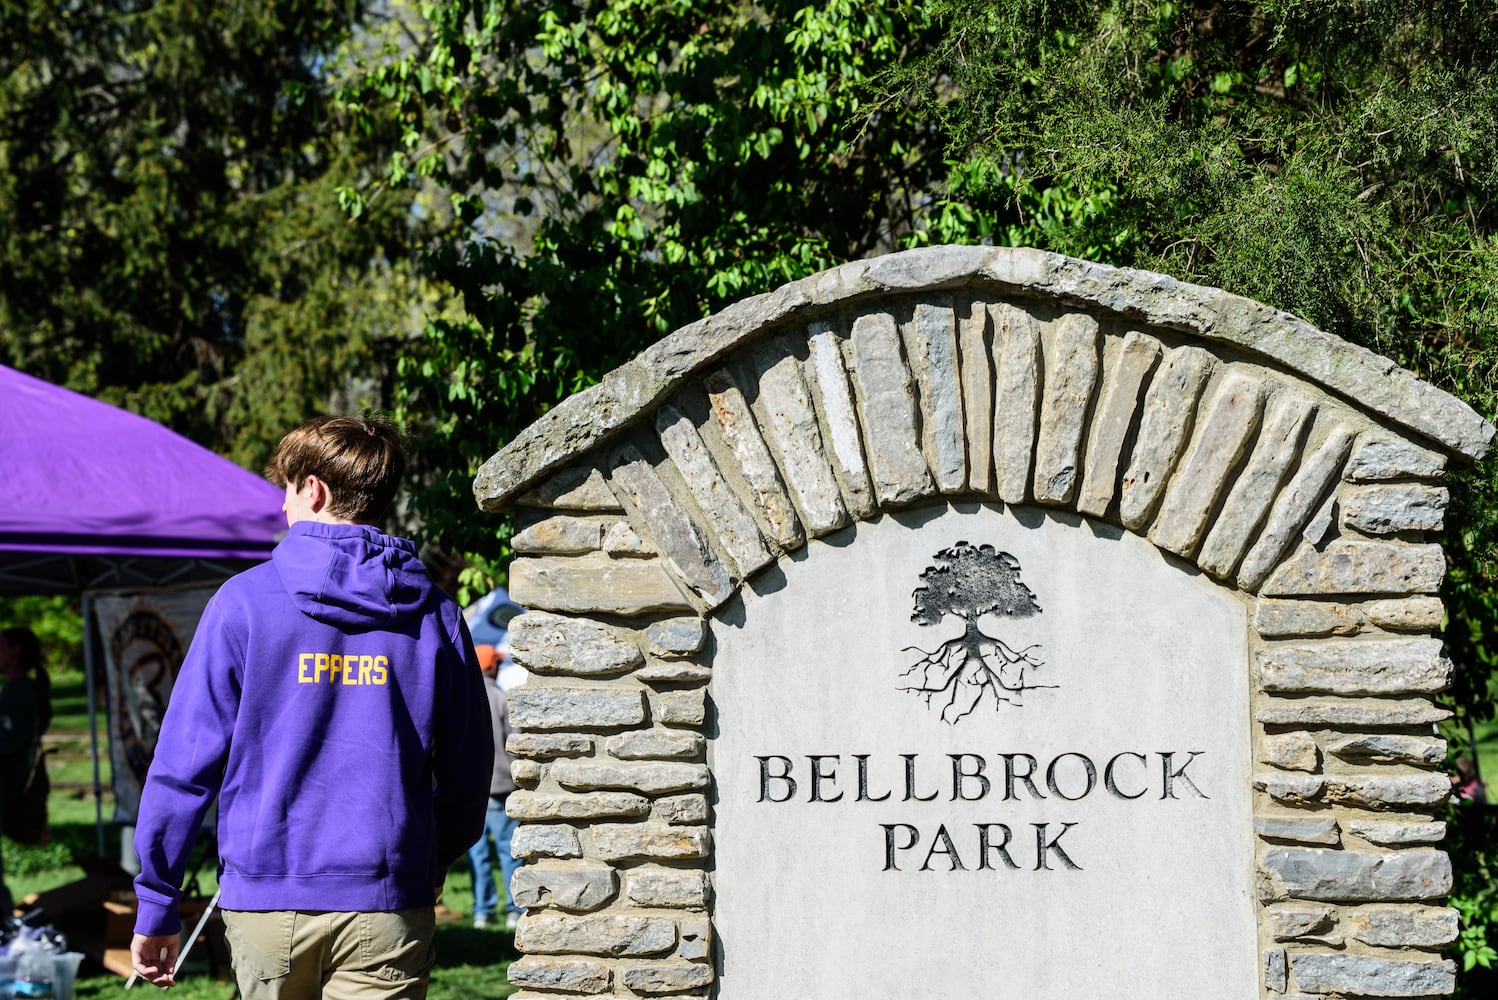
(170,235)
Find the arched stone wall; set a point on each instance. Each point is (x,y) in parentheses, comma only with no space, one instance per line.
(1295,471)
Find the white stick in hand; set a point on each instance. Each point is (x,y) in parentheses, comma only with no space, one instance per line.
(182,955)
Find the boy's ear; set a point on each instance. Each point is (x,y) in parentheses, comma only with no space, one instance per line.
(319,496)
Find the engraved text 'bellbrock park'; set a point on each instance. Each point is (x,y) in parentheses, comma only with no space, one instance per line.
(970,582)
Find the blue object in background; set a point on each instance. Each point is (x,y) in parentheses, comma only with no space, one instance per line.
(489,617)
(488,621)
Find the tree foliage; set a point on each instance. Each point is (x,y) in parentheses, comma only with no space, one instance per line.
(170,236)
(618,168)
(58,627)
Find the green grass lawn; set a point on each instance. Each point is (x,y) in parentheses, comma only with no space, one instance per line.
(471,963)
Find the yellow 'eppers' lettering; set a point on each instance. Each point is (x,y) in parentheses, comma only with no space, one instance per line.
(344,669)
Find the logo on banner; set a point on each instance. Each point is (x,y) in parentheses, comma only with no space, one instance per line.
(148,654)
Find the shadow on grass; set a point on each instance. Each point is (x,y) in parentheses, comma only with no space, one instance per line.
(66,842)
(463,944)
(471,964)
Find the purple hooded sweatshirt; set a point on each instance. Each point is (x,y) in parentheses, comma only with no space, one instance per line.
(332,700)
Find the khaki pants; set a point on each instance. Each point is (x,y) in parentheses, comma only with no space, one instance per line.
(300,955)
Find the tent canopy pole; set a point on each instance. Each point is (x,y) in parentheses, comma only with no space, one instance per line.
(89,638)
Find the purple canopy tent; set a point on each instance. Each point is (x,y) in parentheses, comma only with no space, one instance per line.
(93,499)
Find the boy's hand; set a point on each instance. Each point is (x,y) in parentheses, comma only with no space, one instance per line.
(154,957)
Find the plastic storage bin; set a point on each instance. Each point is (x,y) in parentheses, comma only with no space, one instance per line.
(66,975)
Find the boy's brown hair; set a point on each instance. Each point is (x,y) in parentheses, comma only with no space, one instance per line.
(359,458)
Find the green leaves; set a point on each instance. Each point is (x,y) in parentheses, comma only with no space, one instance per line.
(618,168)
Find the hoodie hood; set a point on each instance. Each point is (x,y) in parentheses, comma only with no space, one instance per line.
(353,576)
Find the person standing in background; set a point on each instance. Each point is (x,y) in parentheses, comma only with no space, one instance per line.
(499,828)
(1466,785)
(25,713)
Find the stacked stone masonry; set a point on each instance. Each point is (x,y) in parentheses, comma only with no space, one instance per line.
(1019,380)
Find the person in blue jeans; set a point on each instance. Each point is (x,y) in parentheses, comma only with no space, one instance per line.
(498,826)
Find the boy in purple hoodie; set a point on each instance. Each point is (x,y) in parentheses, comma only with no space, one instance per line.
(332,702)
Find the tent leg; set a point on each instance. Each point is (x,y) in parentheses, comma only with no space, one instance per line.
(89,633)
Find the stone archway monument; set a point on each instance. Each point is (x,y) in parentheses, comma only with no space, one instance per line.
(983,622)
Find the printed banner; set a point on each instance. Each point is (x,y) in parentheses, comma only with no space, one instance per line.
(144,637)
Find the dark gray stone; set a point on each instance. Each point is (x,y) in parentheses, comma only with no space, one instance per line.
(789,423)
(1356,566)
(1135,359)
(654,979)
(1294,506)
(1389,748)
(828,377)
(732,524)
(1247,502)
(530,807)
(552,644)
(1394,508)
(1072,360)
(577,889)
(590,417)
(1350,712)
(1016,399)
(1223,432)
(1313,830)
(1404,926)
(636,841)
(1370,666)
(734,423)
(545,708)
(683,545)
(931,341)
(1363,976)
(595,583)
(1380,456)
(1165,421)
(573,975)
(1276,971)
(676,636)
(975,365)
(605,934)
(647,777)
(1357,876)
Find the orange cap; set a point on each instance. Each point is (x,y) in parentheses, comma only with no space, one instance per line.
(488,657)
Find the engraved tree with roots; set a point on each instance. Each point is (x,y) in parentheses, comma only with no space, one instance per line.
(970,581)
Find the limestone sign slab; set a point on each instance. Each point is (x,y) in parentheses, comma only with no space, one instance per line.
(1087,803)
